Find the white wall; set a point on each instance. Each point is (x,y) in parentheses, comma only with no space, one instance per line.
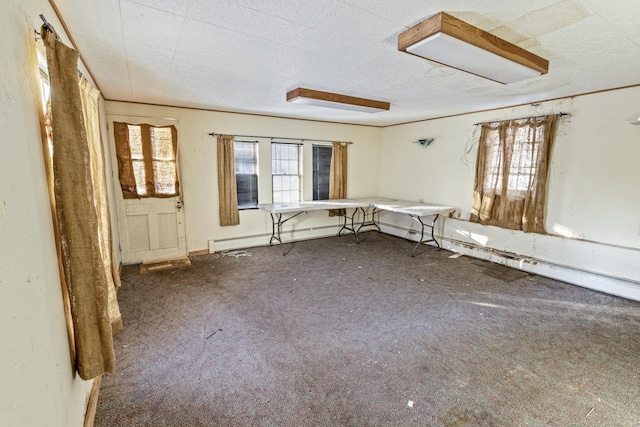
(592,221)
(593,210)
(37,385)
(197,159)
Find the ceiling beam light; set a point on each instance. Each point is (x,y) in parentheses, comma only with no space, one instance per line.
(452,42)
(333,100)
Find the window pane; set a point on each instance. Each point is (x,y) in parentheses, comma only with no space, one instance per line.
(321,171)
(161,144)
(277,183)
(135,142)
(246,164)
(294,183)
(293,166)
(285,182)
(163,159)
(165,177)
(247,187)
(139,174)
(493,162)
(46,89)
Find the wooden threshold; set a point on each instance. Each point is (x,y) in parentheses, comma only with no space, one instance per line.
(200,252)
(167,264)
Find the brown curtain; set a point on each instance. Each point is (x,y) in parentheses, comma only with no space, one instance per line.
(154,161)
(89,96)
(125,164)
(77,218)
(511,173)
(338,175)
(227,194)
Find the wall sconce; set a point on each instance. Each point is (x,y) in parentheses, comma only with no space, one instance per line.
(424,142)
(450,41)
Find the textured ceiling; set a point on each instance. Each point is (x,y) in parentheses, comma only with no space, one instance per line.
(245,55)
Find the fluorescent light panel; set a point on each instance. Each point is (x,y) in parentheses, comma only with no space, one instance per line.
(333,100)
(449,41)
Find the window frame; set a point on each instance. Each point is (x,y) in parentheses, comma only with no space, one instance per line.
(276,156)
(512,173)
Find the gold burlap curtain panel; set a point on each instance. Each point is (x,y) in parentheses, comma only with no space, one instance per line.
(338,175)
(78,226)
(227,194)
(511,173)
(90,108)
(154,160)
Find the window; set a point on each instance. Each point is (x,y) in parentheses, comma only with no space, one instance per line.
(147,160)
(46,90)
(521,166)
(321,171)
(246,162)
(286,170)
(511,173)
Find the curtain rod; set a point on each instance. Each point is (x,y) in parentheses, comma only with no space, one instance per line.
(519,118)
(49,28)
(283,137)
(46,25)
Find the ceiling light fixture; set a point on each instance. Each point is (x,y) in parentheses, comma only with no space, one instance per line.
(452,42)
(333,100)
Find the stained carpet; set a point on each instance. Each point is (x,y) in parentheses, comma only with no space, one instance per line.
(336,333)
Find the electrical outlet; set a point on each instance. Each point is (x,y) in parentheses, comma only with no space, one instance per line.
(421,200)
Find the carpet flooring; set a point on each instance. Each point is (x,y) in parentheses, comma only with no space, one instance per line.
(341,334)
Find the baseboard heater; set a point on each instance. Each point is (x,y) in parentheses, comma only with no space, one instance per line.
(262,239)
(602,282)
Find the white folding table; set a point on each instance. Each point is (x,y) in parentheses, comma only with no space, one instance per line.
(293,209)
(415,210)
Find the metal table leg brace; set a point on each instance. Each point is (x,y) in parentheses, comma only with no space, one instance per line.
(276,228)
(372,221)
(351,228)
(422,240)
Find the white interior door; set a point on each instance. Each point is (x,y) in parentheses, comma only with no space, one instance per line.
(150,228)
